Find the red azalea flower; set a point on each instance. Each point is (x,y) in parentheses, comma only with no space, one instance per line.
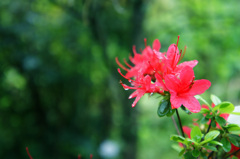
(173,58)
(183,88)
(145,63)
(142,84)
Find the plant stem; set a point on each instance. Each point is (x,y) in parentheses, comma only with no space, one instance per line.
(175,124)
(180,123)
(209,126)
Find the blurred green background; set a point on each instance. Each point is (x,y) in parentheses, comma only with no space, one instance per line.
(59,87)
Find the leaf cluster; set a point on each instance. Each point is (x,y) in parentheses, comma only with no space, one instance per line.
(216,136)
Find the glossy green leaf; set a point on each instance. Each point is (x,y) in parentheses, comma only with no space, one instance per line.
(185,110)
(215,143)
(176,147)
(177,138)
(220,120)
(181,152)
(216,108)
(196,134)
(234,141)
(163,108)
(204,101)
(231,125)
(209,116)
(212,148)
(195,153)
(204,111)
(188,155)
(211,135)
(215,99)
(226,107)
(234,130)
(191,141)
(226,144)
(204,120)
(171,112)
(213,124)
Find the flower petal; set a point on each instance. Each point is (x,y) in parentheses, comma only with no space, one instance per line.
(186,76)
(187,63)
(156,45)
(159,82)
(134,94)
(176,101)
(172,82)
(192,104)
(199,87)
(172,51)
(140,94)
(173,55)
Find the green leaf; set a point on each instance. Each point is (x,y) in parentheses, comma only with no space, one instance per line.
(216,108)
(215,143)
(191,141)
(234,139)
(209,116)
(212,148)
(188,155)
(211,135)
(234,130)
(226,107)
(164,108)
(204,101)
(185,110)
(195,153)
(196,134)
(181,152)
(177,138)
(226,144)
(220,120)
(213,124)
(230,126)
(204,120)
(204,111)
(215,99)
(235,113)
(171,112)
(176,147)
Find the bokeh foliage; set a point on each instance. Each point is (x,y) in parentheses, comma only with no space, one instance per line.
(59,90)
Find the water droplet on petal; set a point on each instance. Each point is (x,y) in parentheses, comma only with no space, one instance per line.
(126,89)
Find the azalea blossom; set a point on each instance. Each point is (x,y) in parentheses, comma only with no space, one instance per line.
(157,72)
(143,85)
(183,88)
(173,57)
(146,62)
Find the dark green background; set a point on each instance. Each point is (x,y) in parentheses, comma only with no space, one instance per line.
(59,88)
